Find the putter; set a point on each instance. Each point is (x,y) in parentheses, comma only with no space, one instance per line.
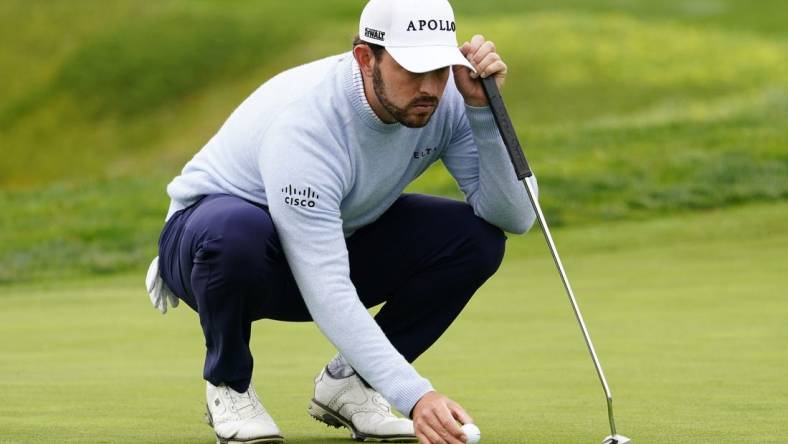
(523,171)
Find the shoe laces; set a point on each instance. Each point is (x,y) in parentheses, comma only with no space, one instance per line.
(246,405)
(381,402)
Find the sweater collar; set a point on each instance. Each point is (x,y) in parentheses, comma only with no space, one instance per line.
(354,87)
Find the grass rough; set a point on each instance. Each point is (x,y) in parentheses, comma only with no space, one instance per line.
(627,110)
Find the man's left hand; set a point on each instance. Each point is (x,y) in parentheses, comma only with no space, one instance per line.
(481,53)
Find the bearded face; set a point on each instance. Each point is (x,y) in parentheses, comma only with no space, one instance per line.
(411,99)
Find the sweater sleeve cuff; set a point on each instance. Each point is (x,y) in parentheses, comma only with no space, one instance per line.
(407,396)
(482,123)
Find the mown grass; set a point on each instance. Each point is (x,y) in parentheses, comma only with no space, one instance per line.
(627,110)
(687,313)
(76,229)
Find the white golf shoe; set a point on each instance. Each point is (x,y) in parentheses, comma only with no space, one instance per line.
(348,402)
(239,417)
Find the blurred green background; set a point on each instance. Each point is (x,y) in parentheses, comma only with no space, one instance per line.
(629,109)
(659,134)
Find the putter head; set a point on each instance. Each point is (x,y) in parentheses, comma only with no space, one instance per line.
(617,439)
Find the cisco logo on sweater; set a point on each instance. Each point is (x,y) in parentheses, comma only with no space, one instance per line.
(300,198)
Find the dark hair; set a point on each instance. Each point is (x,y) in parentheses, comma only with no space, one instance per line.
(377,50)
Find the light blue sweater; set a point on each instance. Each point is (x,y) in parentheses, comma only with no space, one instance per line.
(308,145)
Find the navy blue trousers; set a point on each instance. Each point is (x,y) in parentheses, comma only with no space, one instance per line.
(425,257)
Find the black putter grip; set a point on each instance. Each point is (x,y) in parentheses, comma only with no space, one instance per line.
(506,128)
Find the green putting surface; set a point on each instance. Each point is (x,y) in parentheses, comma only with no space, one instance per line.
(688,314)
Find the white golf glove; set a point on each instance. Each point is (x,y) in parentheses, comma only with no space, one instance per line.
(160,294)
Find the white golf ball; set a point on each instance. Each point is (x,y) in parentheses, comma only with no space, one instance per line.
(472,433)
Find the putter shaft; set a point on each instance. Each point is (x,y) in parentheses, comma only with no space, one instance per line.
(568,287)
(523,172)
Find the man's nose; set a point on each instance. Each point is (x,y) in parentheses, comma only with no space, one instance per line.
(432,83)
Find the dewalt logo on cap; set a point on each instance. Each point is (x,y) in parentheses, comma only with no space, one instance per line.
(375,34)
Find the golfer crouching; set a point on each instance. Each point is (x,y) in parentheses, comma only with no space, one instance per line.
(295,211)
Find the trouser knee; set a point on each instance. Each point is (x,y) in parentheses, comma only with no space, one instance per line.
(485,247)
(236,249)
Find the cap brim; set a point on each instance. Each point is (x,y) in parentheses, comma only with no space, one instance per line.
(420,59)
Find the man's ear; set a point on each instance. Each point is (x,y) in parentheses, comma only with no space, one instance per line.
(365,59)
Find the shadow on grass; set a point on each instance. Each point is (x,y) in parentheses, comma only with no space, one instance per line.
(316,439)
(320,439)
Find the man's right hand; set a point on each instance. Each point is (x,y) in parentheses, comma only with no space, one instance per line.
(435,420)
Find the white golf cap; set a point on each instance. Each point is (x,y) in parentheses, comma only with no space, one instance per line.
(421,35)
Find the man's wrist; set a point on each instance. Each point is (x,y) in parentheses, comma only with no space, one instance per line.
(413,410)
